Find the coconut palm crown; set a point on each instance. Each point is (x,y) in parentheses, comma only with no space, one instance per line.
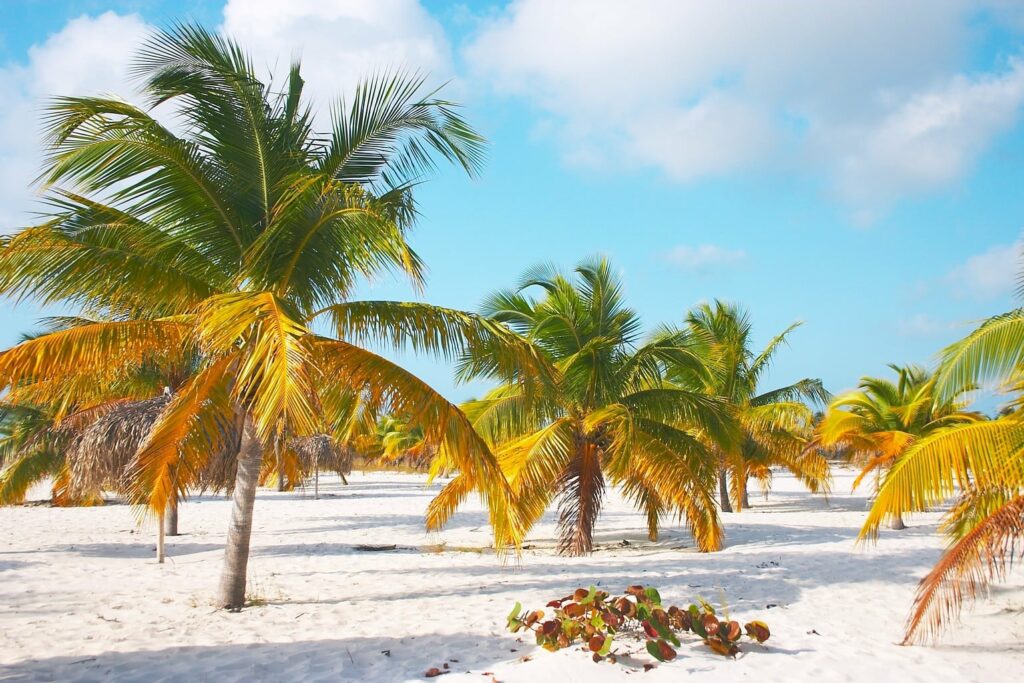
(608,416)
(213,222)
(774,425)
(878,422)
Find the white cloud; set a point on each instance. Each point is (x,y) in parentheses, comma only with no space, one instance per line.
(87,57)
(931,138)
(869,94)
(339,41)
(704,256)
(922,325)
(990,274)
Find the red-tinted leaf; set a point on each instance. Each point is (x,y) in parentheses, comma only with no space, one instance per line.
(667,652)
(758,630)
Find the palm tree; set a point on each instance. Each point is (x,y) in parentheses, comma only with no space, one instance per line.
(607,415)
(32,449)
(90,445)
(979,464)
(878,422)
(226,238)
(397,440)
(774,425)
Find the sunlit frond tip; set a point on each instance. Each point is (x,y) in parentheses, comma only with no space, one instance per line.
(982,556)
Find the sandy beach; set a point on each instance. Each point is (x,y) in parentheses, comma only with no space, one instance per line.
(84,600)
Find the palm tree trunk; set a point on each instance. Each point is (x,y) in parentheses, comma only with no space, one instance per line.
(581,491)
(896,523)
(280,471)
(160,540)
(231,594)
(723,491)
(746,492)
(171,519)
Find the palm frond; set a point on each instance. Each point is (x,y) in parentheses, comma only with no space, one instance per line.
(983,555)
(934,468)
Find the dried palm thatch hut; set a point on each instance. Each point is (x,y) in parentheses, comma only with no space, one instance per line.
(101,456)
(99,459)
(321,451)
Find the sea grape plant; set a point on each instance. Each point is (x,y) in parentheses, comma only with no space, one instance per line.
(594,617)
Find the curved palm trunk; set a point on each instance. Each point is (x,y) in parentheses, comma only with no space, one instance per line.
(746,492)
(896,523)
(581,489)
(231,594)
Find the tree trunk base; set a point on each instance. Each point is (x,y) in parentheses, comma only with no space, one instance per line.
(231,594)
(171,520)
(896,524)
(723,492)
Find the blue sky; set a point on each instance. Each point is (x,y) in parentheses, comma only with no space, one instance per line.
(851,164)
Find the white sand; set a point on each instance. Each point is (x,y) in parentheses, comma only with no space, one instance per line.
(84,600)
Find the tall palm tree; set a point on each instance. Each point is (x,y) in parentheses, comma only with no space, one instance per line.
(226,237)
(878,422)
(774,425)
(978,464)
(607,415)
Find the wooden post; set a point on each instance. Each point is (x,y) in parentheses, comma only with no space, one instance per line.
(160,540)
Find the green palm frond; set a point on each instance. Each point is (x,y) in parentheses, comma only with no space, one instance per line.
(978,454)
(992,352)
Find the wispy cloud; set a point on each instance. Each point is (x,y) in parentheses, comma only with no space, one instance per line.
(704,257)
(338,41)
(922,325)
(990,274)
(870,95)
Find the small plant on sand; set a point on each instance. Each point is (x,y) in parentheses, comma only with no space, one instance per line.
(594,617)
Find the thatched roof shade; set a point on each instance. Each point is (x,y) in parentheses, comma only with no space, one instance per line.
(104,450)
(320,450)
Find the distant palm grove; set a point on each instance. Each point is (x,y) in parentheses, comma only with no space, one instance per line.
(210,252)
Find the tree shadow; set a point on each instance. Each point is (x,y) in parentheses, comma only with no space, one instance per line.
(137,549)
(382,659)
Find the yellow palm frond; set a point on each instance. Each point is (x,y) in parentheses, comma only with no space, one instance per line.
(383,383)
(274,377)
(978,454)
(97,351)
(659,465)
(188,432)
(533,463)
(26,469)
(448,500)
